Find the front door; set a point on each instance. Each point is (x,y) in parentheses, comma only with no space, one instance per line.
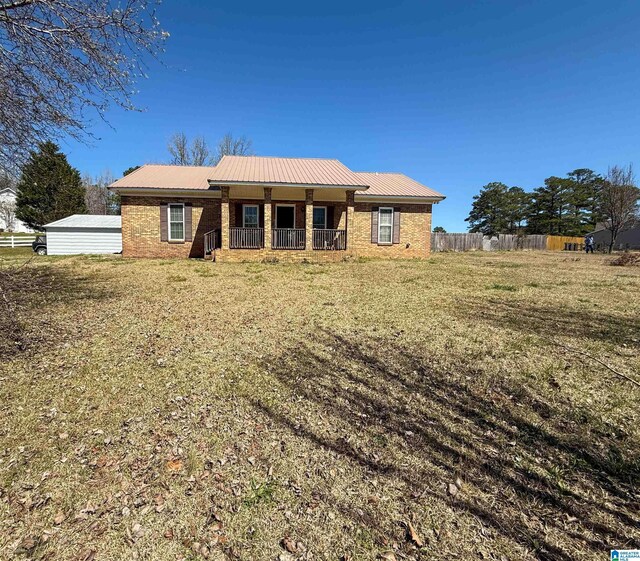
(285,216)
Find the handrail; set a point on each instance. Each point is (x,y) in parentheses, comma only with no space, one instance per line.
(210,243)
(329,239)
(288,238)
(246,238)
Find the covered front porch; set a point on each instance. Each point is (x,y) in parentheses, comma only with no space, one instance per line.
(285,219)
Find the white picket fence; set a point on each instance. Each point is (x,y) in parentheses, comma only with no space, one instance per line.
(16,241)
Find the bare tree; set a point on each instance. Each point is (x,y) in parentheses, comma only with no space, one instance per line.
(197,153)
(230,146)
(6,180)
(59,58)
(179,149)
(8,214)
(200,154)
(98,199)
(619,201)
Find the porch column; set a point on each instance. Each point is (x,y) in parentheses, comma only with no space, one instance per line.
(308,218)
(349,220)
(267,217)
(224,226)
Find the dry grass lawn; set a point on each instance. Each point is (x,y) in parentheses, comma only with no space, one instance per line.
(167,410)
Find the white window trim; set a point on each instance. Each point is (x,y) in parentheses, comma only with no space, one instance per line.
(244,213)
(169,238)
(380,209)
(279,205)
(325,217)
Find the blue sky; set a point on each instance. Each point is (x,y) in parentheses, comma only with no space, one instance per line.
(453,93)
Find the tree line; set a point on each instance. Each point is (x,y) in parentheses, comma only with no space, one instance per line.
(567,206)
(49,188)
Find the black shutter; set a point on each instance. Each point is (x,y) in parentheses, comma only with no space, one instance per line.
(188,233)
(261,216)
(396,225)
(164,236)
(330,218)
(374,224)
(238,213)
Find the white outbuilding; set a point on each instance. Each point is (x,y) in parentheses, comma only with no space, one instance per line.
(84,233)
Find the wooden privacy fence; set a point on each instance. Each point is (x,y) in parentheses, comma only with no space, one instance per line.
(502,242)
(557,243)
(456,242)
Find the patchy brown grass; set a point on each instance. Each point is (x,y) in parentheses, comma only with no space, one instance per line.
(186,410)
(627,260)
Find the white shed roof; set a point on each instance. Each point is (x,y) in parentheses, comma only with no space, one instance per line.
(87,221)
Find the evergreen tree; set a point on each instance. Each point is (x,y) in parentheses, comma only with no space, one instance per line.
(516,203)
(130,170)
(548,207)
(49,188)
(583,207)
(498,209)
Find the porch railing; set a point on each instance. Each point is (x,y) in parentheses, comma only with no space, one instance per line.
(246,238)
(211,240)
(288,238)
(329,239)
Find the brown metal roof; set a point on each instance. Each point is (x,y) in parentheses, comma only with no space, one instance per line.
(394,185)
(292,171)
(156,176)
(284,171)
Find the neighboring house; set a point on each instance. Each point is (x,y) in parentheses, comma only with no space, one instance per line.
(84,234)
(627,239)
(8,220)
(254,208)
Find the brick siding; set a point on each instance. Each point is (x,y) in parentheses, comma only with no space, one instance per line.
(141,227)
(141,232)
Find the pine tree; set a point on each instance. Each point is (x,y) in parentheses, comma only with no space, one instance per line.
(583,207)
(487,214)
(498,209)
(49,188)
(550,203)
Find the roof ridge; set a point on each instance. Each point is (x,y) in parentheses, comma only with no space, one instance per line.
(383,172)
(169,165)
(285,158)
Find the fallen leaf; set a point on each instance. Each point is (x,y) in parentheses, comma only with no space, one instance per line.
(453,489)
(26,545)
(388,556)
(169,534)
(87,555)
(289,545)
(59,518)
(175,465)
(415,538)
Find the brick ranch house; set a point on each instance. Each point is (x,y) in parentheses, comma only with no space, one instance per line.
(250,208)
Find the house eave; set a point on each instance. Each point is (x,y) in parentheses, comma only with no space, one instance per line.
(163,191)
(396,199)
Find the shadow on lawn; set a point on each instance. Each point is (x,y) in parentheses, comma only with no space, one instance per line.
(532,475)
(549,321)
(27,294)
